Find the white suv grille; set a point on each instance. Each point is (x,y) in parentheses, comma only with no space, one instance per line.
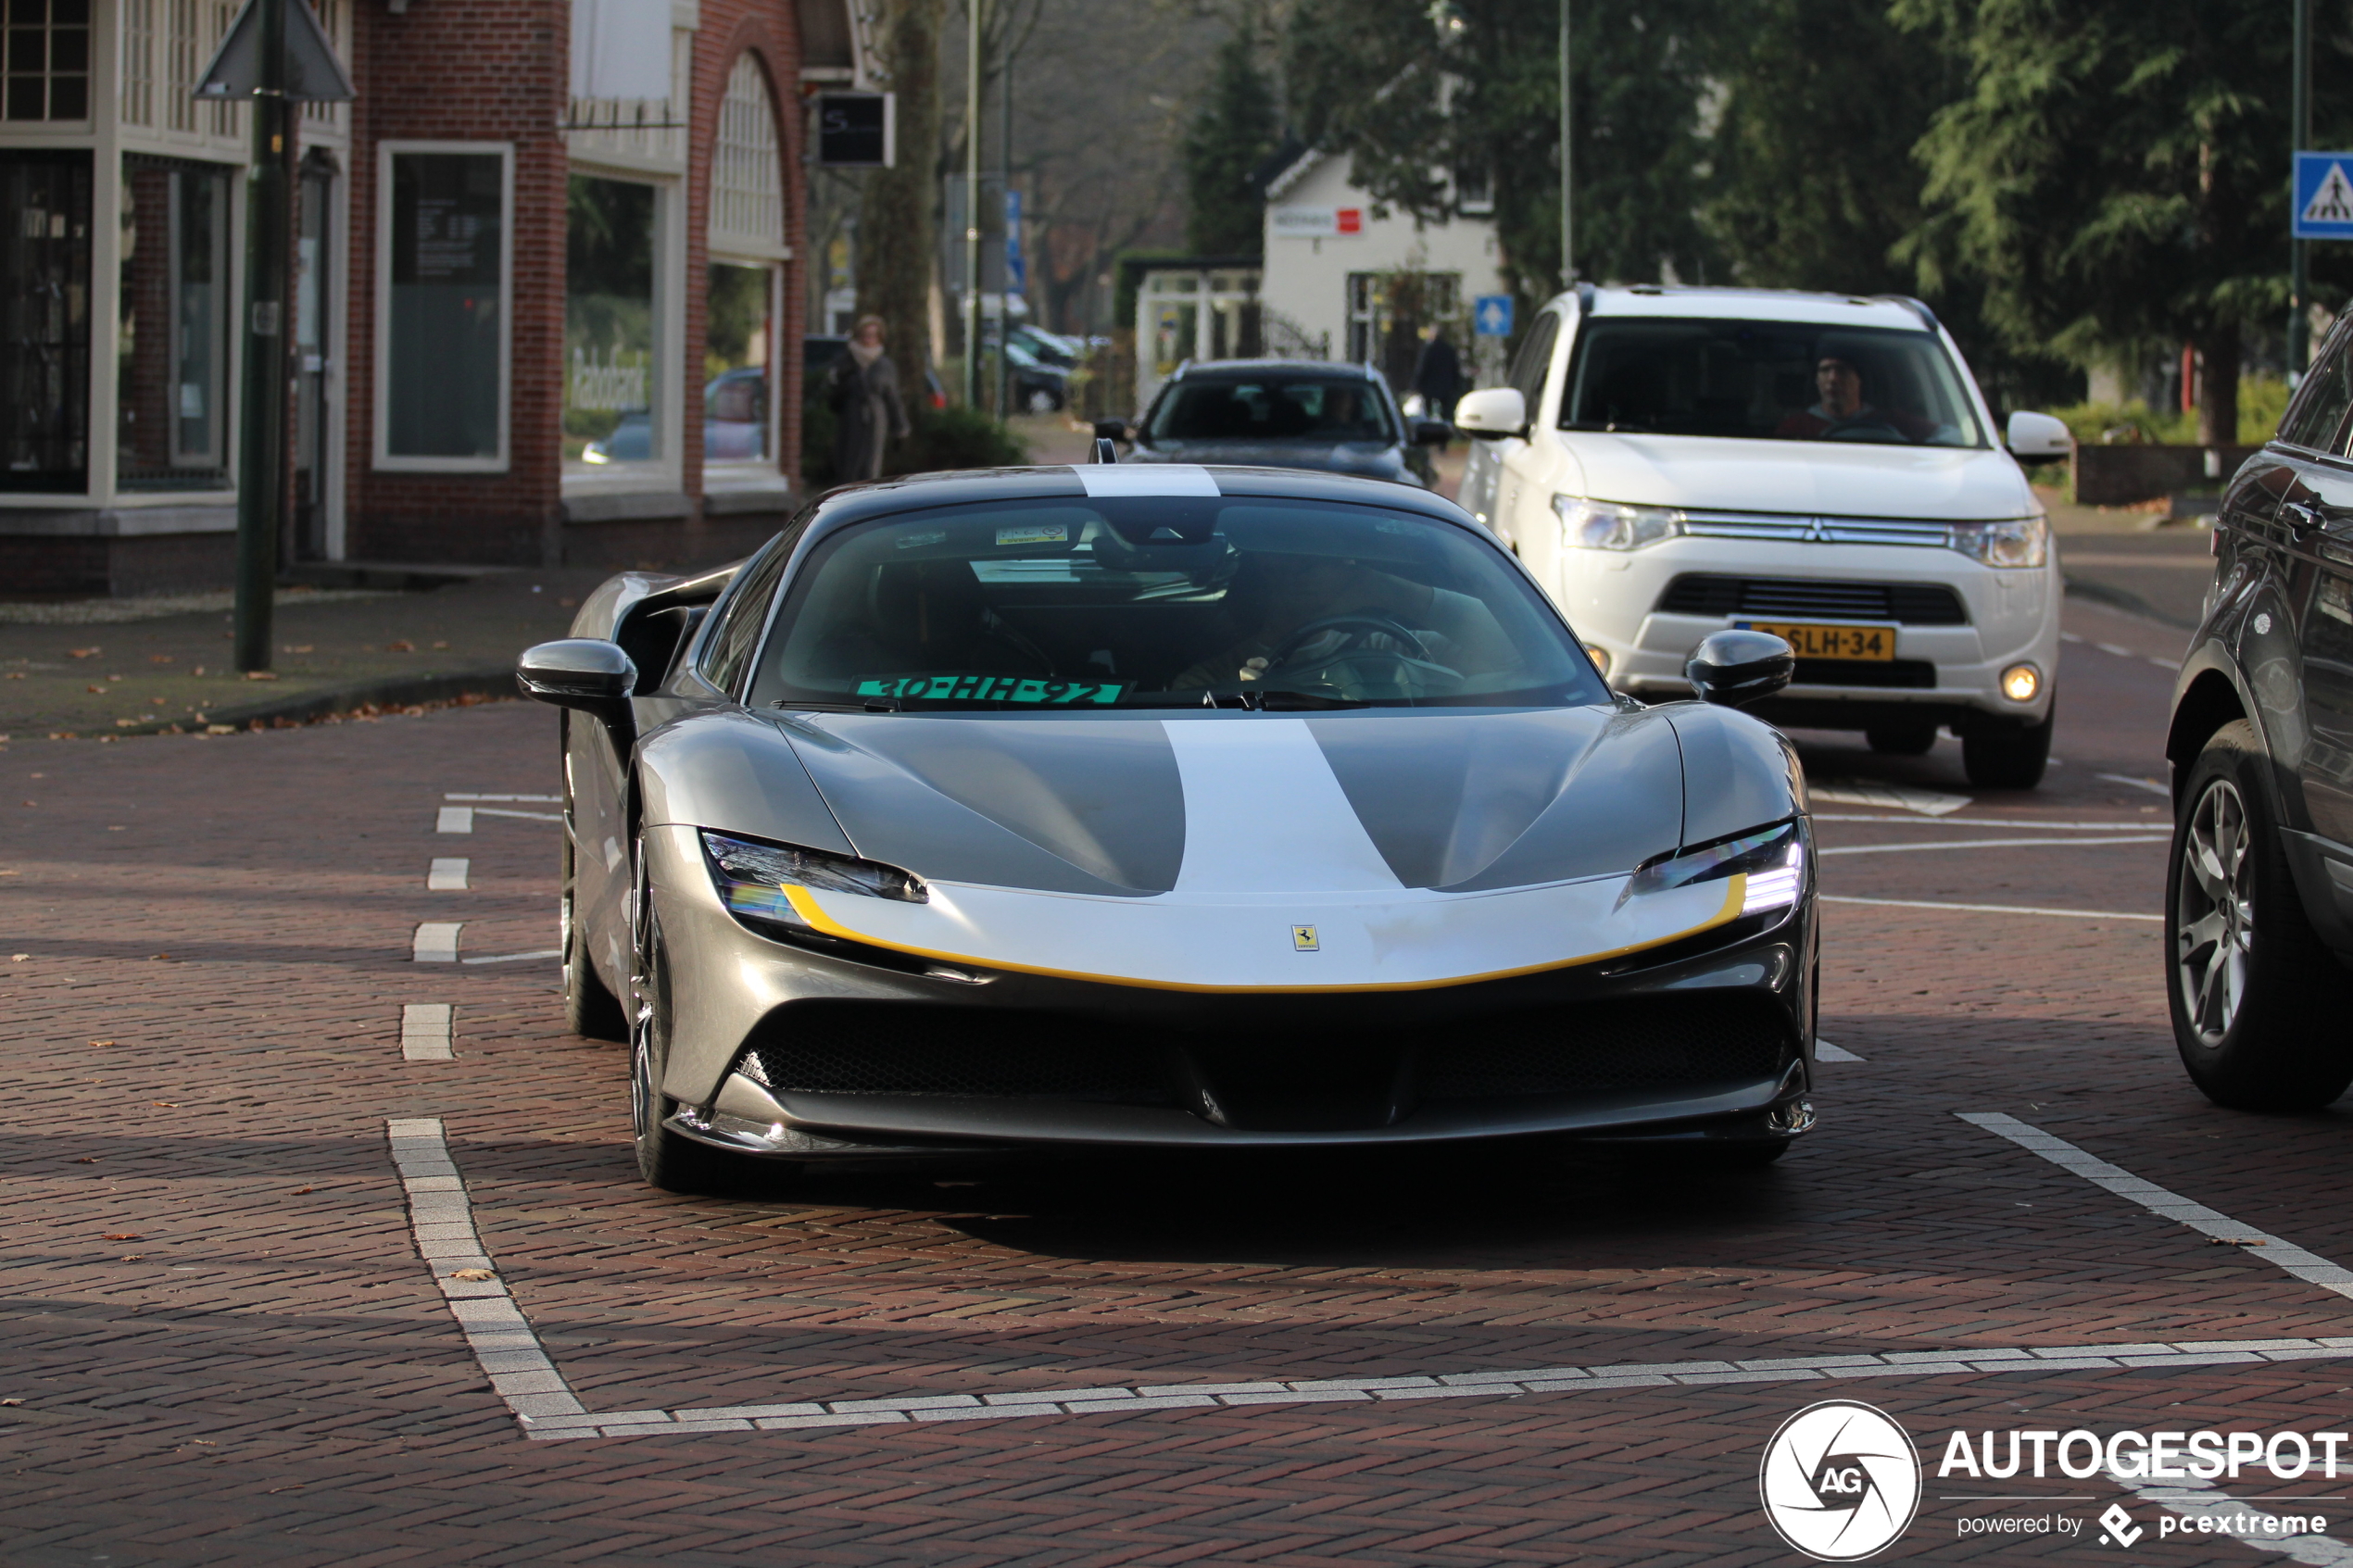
(1818,529)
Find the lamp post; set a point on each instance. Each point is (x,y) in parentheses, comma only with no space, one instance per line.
(972,211)
(2299,289)
(261,447)
(1005,183)
(1569,221)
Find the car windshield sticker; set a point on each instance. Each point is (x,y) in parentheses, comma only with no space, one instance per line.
(930,536)
(993,688)
(1035,534)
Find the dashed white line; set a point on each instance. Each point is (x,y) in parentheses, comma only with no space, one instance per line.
(2150,784)
(550,799)
(1988,909)
(534,1388)
(2202,1502)
(435,942)
(425,1030)
(2118,651)
(1897,797)
(529,816)
(454,819)
(1983,823)
(1991,843)
(1825,1051)
(2307,1266)
(518,957)
(446,874)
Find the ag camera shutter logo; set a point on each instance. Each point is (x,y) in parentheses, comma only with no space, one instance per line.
(1840,1481)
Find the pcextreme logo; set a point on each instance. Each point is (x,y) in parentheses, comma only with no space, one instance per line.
(1840,1481)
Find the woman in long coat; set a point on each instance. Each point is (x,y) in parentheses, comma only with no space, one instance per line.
(862,386)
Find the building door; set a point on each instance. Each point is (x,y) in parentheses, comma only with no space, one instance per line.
(314,422)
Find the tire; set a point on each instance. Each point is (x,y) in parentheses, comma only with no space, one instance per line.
(2247,983)
(1905,740)
(2008,757)
(666,1158)
(590,1009)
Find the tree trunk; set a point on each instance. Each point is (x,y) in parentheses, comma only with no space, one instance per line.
(896,244)
(2218,385)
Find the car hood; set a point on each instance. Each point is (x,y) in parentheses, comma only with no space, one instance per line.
(1806,477)
(1356,458)
(1239,804)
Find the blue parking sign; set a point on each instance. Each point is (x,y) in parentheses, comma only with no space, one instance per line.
(2323,196)
(1492,314)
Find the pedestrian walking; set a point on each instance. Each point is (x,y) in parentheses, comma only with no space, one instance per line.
(1438,373)
(862,387)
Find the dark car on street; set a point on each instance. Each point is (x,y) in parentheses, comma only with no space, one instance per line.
(1284,413)
(2259,915)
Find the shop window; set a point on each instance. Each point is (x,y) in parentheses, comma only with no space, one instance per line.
(737,358)
(442,333)
(47,73)
(171,358)
(612,378)
(45,321)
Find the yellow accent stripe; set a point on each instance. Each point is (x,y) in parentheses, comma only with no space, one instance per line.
(1735,895)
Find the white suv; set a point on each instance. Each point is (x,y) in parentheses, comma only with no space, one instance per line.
(1673,461)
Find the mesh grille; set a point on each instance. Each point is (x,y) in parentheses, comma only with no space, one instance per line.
(1909,604)
(865,1049)
(1616,1046)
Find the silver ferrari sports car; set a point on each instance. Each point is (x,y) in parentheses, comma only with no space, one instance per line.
(1166,807)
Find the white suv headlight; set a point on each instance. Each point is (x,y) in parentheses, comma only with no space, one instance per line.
(1605,525)
(2022,541)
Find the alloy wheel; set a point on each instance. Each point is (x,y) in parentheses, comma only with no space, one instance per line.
(2214,913)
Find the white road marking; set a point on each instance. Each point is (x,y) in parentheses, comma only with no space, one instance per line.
(550,799)
(2307,1266)
(1825,1051)
(518,957)
(435,942)
(446,874)
(2129,826)
(504,1344)
(454,819)
(2163,663)
(1988,909)
(425,1030)
(2194,1499)
(2070,637)
(529,816)
(1902,798)
(2111,647)
(2150,784)
(1992,844)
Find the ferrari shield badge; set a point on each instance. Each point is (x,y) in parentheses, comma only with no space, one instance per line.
(1302,938)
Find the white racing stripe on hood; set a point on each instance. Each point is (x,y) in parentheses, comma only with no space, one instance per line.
(1145,479)
(1265,814)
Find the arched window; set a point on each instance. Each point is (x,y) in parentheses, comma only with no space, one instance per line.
(746,169)
(741,303)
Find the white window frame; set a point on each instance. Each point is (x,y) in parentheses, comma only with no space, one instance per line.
(381,413)
(663,474)
(752,473)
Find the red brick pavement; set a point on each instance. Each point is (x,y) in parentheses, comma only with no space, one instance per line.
(262,1371)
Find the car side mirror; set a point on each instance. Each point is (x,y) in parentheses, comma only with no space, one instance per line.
(2038,435)
(1734,668)
(587,673)
(1432,433)
(1111,430)
(1492,413)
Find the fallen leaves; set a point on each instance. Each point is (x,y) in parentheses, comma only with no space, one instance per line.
(300,1192)
(102,1043)
(120,1235)
(160,658)
(403,645)
(165,1104)
(441,644)
(114,677)
(87,1159)
(84,653)
(474,1275)
(18,958)
(100,690)
(261,674)
(299,648)
(197,670)
(221,729)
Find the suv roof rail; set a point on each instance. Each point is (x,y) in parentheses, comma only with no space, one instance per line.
(1927,315)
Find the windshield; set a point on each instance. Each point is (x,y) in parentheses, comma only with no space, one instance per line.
(1310,409)
(1785,381)
(1105,604)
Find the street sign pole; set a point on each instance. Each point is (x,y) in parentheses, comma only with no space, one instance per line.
(1568,222)
(2300,320)
(972,212)
(261,478)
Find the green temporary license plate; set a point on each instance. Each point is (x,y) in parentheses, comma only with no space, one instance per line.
(993,688)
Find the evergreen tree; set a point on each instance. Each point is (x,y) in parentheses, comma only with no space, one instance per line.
(1237,128)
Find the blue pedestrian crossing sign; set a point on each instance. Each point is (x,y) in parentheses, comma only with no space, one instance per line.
(1492,314)
(2325,195)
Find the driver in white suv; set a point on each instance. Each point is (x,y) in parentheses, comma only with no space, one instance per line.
(1670,462)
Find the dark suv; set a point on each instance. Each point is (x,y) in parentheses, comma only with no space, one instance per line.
(2258,905)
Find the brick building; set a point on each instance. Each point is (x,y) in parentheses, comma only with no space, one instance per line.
(548,285)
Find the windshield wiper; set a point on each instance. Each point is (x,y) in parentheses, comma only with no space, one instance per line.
(1279,700)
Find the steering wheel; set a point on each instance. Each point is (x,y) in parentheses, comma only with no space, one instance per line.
(1353,668)
(1860,427)
(1361,624)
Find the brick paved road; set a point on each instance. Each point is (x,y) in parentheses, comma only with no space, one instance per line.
(221,1346)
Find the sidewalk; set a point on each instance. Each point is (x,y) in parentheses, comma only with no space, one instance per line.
(115,677)
(2115,557)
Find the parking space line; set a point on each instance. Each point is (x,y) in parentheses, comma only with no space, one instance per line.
(1825,1051)
(1986,909)
(446,874)
(2259,1528)
(1992,844)
(435,942)
(425,1030)
(454,819)
(442,1227)
(528,815)
(2287,1256)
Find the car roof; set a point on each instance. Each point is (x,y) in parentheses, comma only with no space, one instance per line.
(1059,481)
(1769,304)
(1334,370)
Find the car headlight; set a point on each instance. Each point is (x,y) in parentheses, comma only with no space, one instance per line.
(2015,541)
(1773,859)
(752,878)
(1607,525)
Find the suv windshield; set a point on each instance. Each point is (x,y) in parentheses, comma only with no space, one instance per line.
(1786,381)
(1165,601)
(1280,407)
